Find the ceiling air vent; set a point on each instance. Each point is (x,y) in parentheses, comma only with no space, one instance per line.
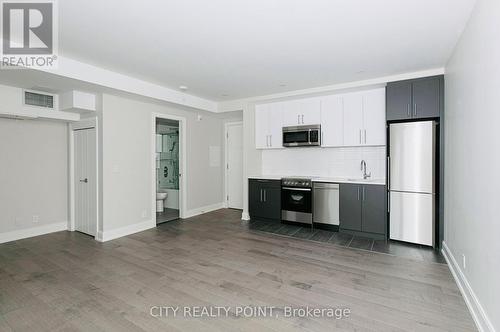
(38,99)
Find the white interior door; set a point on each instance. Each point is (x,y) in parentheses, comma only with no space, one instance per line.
(234,167)
(85,181)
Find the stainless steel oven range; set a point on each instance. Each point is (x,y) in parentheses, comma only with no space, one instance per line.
(296,200)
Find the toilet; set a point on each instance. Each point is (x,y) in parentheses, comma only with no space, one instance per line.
(160,199)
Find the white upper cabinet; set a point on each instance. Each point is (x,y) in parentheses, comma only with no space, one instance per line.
(302,112)
(332,121)
(364,118)
(261,123)
(374,131)
(274,129)
(348,119)
(268,124)
(353,119)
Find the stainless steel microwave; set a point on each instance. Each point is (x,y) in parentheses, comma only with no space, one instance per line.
(302,136)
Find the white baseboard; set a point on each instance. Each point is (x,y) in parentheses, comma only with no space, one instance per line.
(34,231)
(480,317)
(245,216)
(203,209)
(124,231)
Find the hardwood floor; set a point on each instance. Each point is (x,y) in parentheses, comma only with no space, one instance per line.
(67,281)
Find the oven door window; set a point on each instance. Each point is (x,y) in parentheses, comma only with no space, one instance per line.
(296,200)
(295,137)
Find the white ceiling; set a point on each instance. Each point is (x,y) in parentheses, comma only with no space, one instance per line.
(230,49)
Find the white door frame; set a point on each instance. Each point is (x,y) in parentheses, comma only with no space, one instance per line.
(226,158)
(80,125)
(182,162)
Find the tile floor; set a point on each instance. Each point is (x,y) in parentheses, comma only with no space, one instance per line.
(167,215)
(346,240)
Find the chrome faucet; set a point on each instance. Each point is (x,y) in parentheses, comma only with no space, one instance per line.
(363,168)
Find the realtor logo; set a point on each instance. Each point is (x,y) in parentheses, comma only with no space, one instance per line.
(29,34)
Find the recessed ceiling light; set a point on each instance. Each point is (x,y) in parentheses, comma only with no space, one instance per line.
(183,87)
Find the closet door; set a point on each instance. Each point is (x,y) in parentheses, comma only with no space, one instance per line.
(85,181)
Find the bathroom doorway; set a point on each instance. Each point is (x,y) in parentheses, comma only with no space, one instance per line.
(167,169)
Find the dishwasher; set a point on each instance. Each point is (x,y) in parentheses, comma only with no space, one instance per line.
(326,203)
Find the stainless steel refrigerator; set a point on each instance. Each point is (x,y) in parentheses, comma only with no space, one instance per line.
(412,185)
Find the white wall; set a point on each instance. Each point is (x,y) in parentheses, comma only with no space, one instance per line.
(252,158)
(33,175)
(127,140)
(472,158)
(324,162)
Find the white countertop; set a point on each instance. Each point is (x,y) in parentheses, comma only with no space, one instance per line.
(324,179)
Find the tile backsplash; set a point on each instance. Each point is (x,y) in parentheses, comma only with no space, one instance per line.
(324,162)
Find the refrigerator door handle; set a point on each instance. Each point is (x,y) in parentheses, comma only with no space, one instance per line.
(389,173)
(388,202)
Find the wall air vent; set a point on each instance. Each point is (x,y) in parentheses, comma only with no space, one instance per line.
(38,99)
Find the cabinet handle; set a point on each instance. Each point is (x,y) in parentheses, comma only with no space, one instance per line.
(302,118)
(358,193)
(261,195)
(271,140)
(363,193)
(360,136)
(265,200)
(365,136)
(415,109)
(408,110)
(322,138)
(298,119)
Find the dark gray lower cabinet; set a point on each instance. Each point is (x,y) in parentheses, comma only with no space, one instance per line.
(374,209)
(363,209)
(264,198)
(350,206)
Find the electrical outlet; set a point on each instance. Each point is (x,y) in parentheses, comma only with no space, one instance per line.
(463,261)
(36,219)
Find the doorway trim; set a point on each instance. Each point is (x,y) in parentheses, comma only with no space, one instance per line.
(182,162)
(226,158)
(73,126)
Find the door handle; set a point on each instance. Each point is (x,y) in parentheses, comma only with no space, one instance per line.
(408,110)
(415,109)
(84,180)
